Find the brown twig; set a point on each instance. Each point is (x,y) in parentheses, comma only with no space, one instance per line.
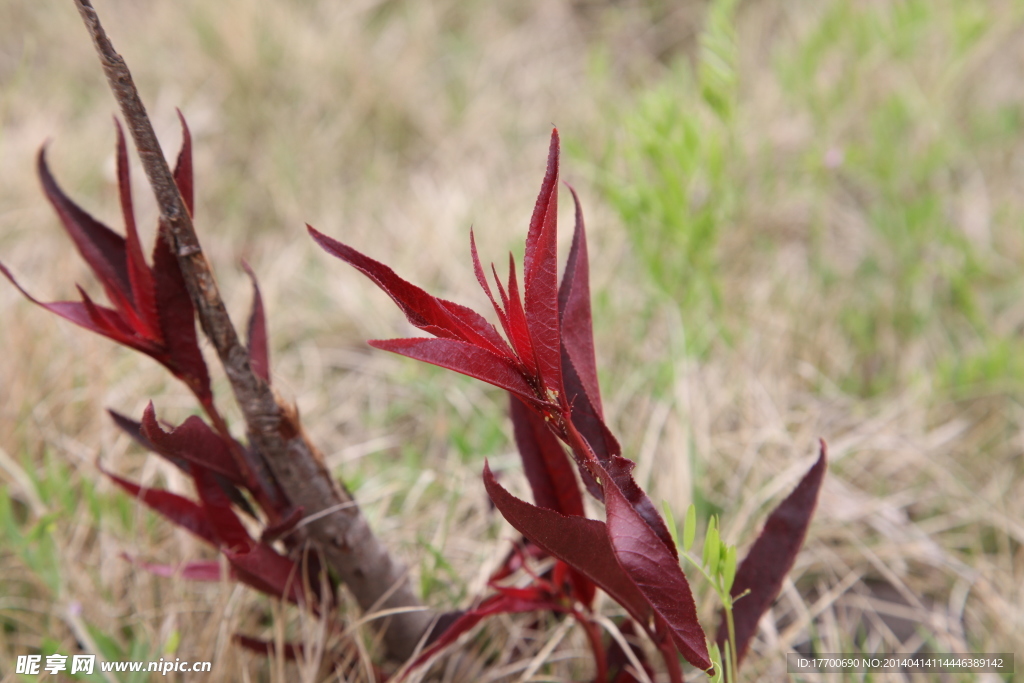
(338,530)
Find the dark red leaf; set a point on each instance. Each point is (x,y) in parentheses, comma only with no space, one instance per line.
(461,357)
(217,508)
(772,556)
(134,430)
(574,309)
(263,568)
(111,324)
(478,270)
(519,329)
(657,574)
(273,532)
(495,604)
(193,441)
(621,471)
(177,320)
(131,428)
(180,510)
(421,309)
(143,316)
(259,353)
(545,463)
(183,167)
(473,320)
(540,276)
(102,248)
(204,570)
(579,542)
(74,311)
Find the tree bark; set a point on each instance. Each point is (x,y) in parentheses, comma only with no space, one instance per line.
(336,527)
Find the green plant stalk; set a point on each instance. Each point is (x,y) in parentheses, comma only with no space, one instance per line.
(731,662)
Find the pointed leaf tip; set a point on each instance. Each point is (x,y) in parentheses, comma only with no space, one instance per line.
(102,248)
(540,276)
(259,350)
(438,317)
(772,556)
(575,316)
(655,571)
(461,357)
(194,442)
(183,177)
(143,316)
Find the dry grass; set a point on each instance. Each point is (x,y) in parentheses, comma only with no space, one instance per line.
(395,126)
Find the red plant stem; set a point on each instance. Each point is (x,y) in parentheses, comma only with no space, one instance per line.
(668,651)
(594,636)
(375,578)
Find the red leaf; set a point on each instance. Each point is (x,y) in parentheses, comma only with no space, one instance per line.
(618,471)
(205,570)
(177,320)
(193,441)
(657,574)
(478,270)
(134,430)
(217,508)
(519,329)
(75,311)
(263,568)
(579,542)
(180,510)
(550,473)
(152,310)
(143,316)
(183,167)
(272,532)
(574,308)
(256,564)
(540,276)
(438,317)
(259,353)
(621,471)
(772,556)
(473,320)
(495,604)
(461,357)
(101,247)
(546,465)
(131,428)
(109,323)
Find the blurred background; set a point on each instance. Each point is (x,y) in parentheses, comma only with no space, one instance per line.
(805,221)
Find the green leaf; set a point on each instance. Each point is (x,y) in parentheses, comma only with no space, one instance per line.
(710,540)
(690,527)
(670,520)
(714,546)
(728,567)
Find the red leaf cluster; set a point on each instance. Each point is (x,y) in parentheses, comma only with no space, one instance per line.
(151,311)
(545,360)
